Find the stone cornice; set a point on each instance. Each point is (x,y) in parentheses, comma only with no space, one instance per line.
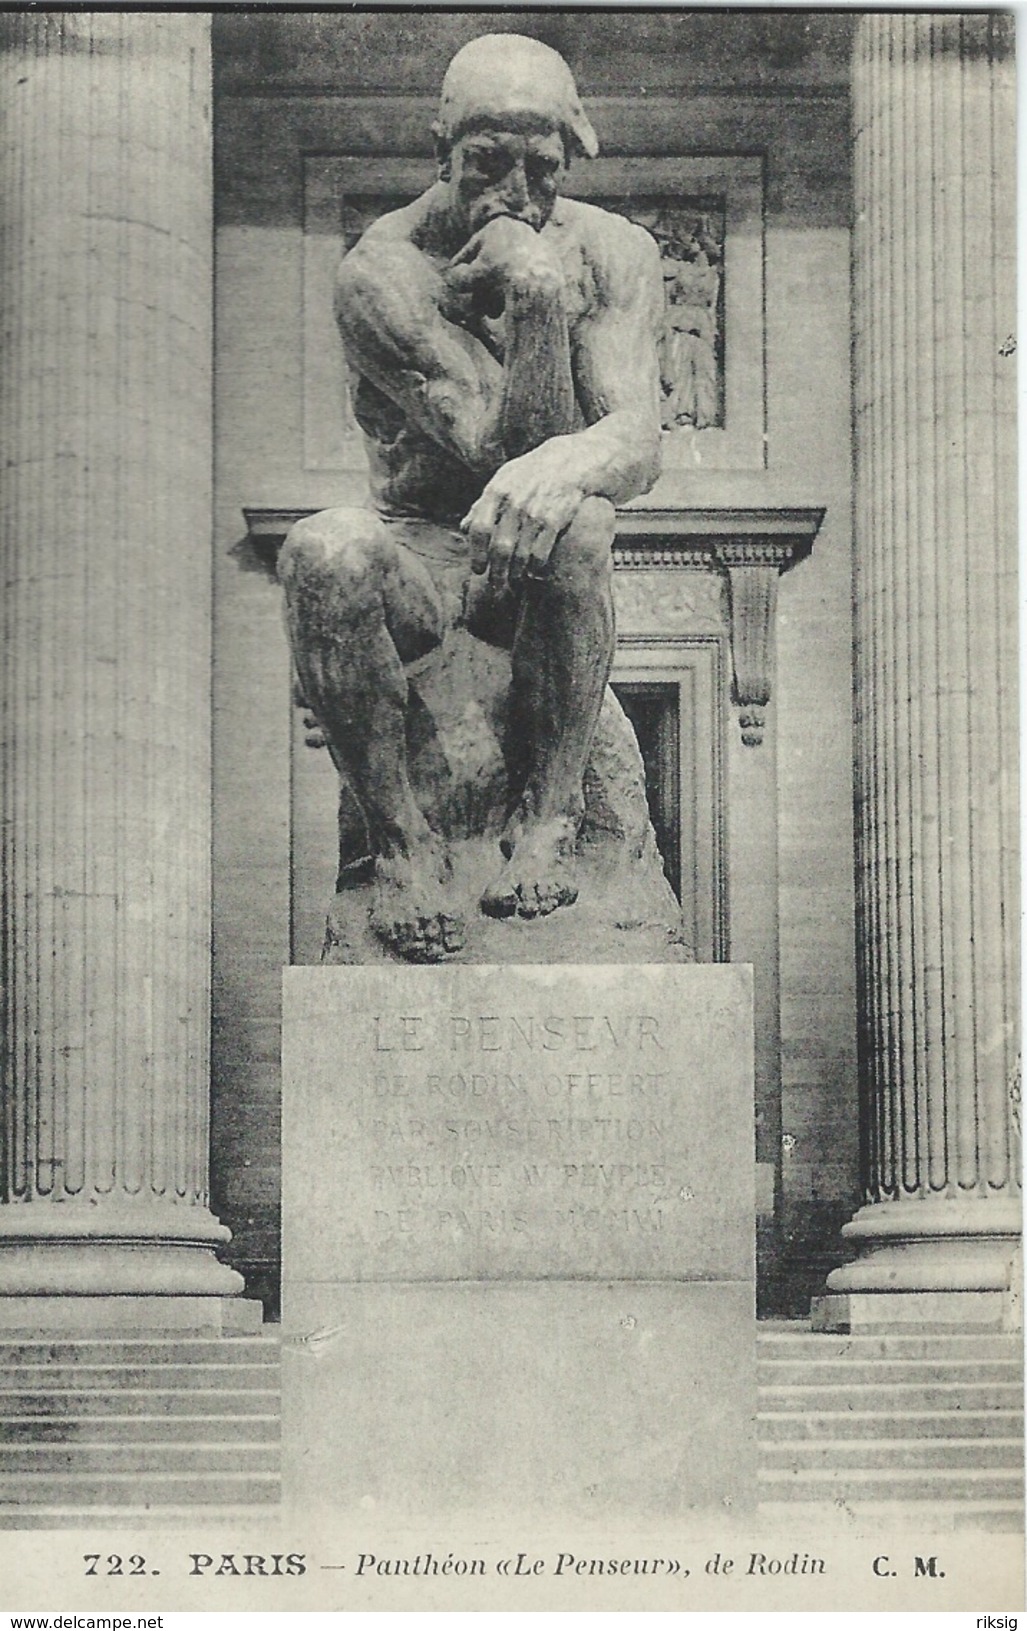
(664,537)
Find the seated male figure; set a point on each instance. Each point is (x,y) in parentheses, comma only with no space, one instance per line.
(503,347)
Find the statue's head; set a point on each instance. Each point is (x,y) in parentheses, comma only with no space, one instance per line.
(509,121)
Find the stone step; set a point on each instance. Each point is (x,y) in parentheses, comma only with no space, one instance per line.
(212,1456)
(774,1425)
(955,1454)
(782,1343)
(251,1429)
(129,1489)
(199,1376)
(55,1403)
(136,1425)
(909,1426)
(890,1518)
(834,1484)
(89,1516)
(253,1350)
(825,1372)
(893,1396)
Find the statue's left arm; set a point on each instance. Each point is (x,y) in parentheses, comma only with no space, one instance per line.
(617,378)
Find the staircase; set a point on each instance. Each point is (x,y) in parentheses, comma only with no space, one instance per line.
(114,1427)
(914,1428)
(924,1428)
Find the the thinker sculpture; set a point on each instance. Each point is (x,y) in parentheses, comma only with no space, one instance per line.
(502,343)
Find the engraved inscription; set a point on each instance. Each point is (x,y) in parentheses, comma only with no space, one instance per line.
(490,1033)
(464,1173)
(479,1123)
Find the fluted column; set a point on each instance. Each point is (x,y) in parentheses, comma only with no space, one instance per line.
(105,526)
(936,669)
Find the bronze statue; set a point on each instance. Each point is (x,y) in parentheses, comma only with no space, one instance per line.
(503,345)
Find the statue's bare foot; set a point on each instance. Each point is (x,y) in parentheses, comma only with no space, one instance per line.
(410,905)
(538,875)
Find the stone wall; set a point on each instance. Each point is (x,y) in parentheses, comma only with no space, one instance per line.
(695,88)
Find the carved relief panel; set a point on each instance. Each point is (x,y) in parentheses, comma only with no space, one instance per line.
(690,236)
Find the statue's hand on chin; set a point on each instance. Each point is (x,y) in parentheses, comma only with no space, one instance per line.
(506,255)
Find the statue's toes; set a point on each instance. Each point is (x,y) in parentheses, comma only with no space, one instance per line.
(428,937)
(527,898)
(499,900)
(440,936)
(406,940)
(532,900)
(452,932)
(544,897)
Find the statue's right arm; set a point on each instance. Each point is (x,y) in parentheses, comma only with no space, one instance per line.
(387,304)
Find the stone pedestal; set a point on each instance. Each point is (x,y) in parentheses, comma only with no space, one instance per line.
(936,673)
(518,1240)
(105,379)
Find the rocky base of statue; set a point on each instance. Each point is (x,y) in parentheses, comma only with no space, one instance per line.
(624,911)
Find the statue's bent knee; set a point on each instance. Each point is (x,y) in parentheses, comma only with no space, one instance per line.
(343,574)
(334,552)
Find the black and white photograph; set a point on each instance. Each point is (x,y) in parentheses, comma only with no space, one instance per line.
(510,829)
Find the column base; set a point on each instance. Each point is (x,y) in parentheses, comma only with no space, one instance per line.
(113,1250)
(103,1316)
(936,1261)
(106,1269)
(853,1312)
